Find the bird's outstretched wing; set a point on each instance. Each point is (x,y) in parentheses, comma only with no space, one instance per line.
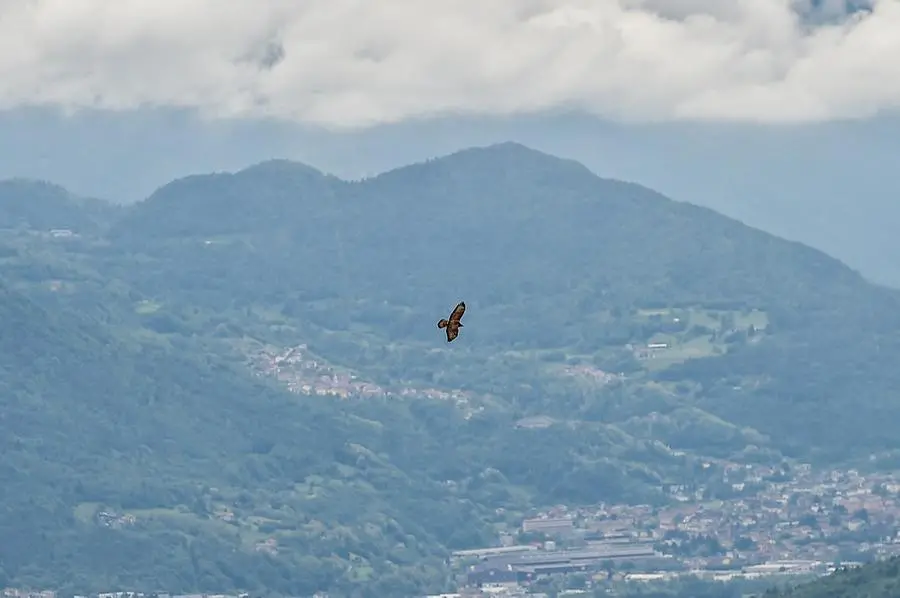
(458,312)
(453,323)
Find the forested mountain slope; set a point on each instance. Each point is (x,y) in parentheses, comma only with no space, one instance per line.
(551,259)
(148,363)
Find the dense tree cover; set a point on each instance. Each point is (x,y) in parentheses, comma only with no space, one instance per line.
(92,425)
(126,390)
(99,417)
(42,206)
(880,579)
(679,587)
(549,257)
(688,587)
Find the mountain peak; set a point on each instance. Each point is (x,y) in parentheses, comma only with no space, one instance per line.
(43,205)
(36,190)
(500,161)
(259,197)
(513,153)
(283,167)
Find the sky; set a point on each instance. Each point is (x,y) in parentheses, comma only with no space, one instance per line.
(354,64)
(782,113)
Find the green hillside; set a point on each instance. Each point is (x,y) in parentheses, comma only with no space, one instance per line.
(121,461)
(42,206)
(556,265)
(152,440)
(875,580)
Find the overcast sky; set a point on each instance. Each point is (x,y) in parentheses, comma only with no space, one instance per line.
(356,63)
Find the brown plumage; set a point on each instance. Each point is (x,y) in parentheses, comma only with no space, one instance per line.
(453,324)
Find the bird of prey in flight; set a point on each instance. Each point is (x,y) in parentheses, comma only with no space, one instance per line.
(453,324)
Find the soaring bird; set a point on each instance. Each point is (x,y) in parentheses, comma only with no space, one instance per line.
(454,324)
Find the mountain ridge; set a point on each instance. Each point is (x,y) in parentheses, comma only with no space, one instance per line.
(508,150)
(509,217)
(657,334)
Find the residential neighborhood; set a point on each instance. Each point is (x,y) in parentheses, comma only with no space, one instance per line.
(776,522)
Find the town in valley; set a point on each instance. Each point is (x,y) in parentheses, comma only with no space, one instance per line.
(776,522)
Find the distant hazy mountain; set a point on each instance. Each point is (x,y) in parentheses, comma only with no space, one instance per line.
(831,186)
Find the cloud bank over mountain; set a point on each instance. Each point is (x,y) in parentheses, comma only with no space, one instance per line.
(353,64)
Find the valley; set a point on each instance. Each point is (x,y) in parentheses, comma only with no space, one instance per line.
(237,384)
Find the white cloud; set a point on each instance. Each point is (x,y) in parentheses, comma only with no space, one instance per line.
(356,63)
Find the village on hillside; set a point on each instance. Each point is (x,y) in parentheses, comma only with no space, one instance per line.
(303,373)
